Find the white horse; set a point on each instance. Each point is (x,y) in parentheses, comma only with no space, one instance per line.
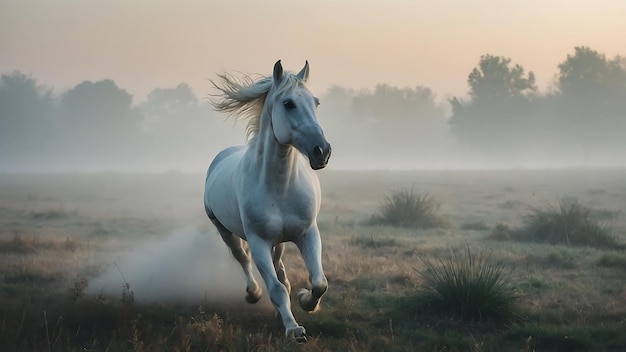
(265,192)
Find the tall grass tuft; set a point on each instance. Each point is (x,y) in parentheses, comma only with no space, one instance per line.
(570,223)
(612,260)
(470,287)
(500,232)
(406,208)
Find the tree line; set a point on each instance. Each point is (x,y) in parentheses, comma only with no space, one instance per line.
(504,120)
(583,114)
(95,126)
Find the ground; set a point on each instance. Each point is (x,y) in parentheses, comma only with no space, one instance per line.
(111,261)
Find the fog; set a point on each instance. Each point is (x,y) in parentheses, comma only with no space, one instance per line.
(504,121)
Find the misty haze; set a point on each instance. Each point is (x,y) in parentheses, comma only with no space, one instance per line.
(505,121)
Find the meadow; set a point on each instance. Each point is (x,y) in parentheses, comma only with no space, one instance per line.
(129,262)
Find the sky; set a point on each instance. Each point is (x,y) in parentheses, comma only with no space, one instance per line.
(147,44)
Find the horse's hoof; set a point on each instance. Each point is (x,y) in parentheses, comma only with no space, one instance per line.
(297,333)
(307,302)
(254,296)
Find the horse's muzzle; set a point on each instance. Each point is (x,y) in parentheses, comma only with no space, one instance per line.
(320,156)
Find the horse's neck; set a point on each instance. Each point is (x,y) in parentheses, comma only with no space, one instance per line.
(276,163)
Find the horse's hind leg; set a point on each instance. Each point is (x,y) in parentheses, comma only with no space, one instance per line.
(240,253)
(277,254)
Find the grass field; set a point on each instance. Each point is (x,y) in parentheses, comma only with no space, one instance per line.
(116,262)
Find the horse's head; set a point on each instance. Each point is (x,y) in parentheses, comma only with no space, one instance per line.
(293,116)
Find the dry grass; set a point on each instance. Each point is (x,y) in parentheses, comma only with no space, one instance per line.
(58,231)
(406,208)
(569,223)
(469,285)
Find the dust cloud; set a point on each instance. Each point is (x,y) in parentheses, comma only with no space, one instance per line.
(188,265)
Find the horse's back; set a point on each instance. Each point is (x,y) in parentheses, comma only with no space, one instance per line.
(224,154)
(220,200)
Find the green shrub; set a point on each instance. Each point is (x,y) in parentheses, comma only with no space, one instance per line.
(408,209)
(570,223)
(612,260)
(469,287)
(500,232)
(475,225)
(373,242)
(558,258)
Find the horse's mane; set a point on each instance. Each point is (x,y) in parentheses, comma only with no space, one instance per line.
(244,98)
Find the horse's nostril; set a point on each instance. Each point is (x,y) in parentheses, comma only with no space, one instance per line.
(317,151)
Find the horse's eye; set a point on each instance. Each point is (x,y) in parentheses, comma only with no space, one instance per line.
(289,104)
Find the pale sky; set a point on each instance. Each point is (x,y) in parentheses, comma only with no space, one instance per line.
(147,44)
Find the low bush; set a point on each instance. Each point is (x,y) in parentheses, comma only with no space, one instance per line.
(475,225)
(470,287)
(612,260)
(500,232)
(406,208)
(570,223)
(373,242)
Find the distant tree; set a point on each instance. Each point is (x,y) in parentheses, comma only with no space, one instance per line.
(101,123)
(335,112)
(182,129)
(411,115)
(337,101)
(173,117)
(167,106)
(589,77)
(388,103)
(98,104)
(337,95)
(26,119)
(498,112)
(495,79)
(395,125)
(589,105)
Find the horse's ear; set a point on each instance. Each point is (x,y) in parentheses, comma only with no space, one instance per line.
(278,71)
(304,73)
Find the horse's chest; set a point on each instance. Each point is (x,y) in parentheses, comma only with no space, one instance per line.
(279,219)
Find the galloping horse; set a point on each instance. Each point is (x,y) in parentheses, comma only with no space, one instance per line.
(266,192)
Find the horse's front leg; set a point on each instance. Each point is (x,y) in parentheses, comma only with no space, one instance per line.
(262,255)
(310,246)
